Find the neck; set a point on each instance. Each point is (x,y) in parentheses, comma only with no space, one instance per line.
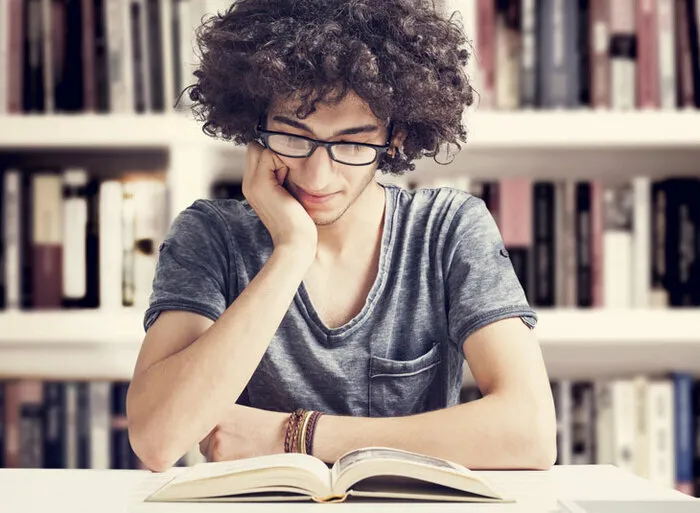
(357,228)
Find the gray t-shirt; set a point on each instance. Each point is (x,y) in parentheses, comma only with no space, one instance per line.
(443,273)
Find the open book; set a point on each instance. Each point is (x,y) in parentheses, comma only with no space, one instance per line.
(373,472)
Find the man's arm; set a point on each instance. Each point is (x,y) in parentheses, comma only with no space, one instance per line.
(512,426)
(185,380)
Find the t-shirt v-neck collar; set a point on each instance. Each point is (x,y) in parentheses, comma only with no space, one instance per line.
(303,299)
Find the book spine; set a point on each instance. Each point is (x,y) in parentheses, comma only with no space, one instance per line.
(100,424)
(642,428)
(618,246)
(693,17)
(624,424)
(604,434)
(111,252)
(544,244)
(597,244)
(71,425)
(660,423)
(682,387)
(516,226)
(583,47)
(696,422)
(128,244)
(4,56)
(122,456)
(623,54)
(89,53)
(583,424)
(47,251)
(563,393)
(648,96)
(528,61)
(584,272)
(16,56)
(2,424)
(11,216)
(507,54)
(139,63)
(658,297)
(51,52)
(75,217)
(684,56)
(154,33)
(30,424)
(553,79)
(486,50)
(641,240)
(70,92)
(33,98)
(600,54)
(54,427)
(667,54)
(83,425)
(121,87)
(101,57)
(572,59)
(169,47)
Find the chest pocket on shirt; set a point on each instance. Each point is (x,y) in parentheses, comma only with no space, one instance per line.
(398,388)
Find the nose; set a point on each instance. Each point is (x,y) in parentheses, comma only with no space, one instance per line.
(318,171)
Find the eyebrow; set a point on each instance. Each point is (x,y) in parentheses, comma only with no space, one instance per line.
(348,131)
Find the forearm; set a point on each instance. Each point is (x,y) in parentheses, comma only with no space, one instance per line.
(492,432)
(175,403)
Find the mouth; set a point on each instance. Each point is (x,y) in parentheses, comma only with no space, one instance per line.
(307,197)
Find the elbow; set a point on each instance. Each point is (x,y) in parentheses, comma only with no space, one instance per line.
(153,453)
(147,442)
(544,452)
(541,443)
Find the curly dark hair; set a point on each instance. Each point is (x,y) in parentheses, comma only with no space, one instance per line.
(402,57)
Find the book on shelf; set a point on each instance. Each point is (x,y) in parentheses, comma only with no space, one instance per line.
(126,56)
(74,240)
(600,243)
(372,472)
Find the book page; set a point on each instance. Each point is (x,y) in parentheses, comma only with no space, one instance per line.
(383,453)
(362,464)
(306,463)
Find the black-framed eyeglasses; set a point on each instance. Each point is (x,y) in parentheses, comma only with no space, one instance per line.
(300,147)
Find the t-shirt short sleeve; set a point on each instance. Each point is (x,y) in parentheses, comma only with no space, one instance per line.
(481,284)
(193,266)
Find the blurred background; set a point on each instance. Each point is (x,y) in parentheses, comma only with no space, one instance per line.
(584,141)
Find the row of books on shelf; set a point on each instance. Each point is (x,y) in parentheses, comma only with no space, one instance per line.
(68,424)
(613,244)
(648,425)
(72,240)
(119,56)
(618,54)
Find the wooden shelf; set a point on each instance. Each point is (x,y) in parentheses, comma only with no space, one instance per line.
(100,344)
(497,130)
(98,131)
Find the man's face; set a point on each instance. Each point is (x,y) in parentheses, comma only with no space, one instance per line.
(324,187)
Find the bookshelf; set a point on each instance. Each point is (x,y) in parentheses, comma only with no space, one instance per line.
(546,143)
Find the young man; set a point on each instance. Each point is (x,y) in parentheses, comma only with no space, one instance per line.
(325,290)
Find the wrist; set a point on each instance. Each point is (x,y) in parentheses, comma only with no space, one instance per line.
(295,254)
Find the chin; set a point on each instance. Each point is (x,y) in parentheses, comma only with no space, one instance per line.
(325,218)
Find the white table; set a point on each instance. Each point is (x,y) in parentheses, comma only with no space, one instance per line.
(112,491)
